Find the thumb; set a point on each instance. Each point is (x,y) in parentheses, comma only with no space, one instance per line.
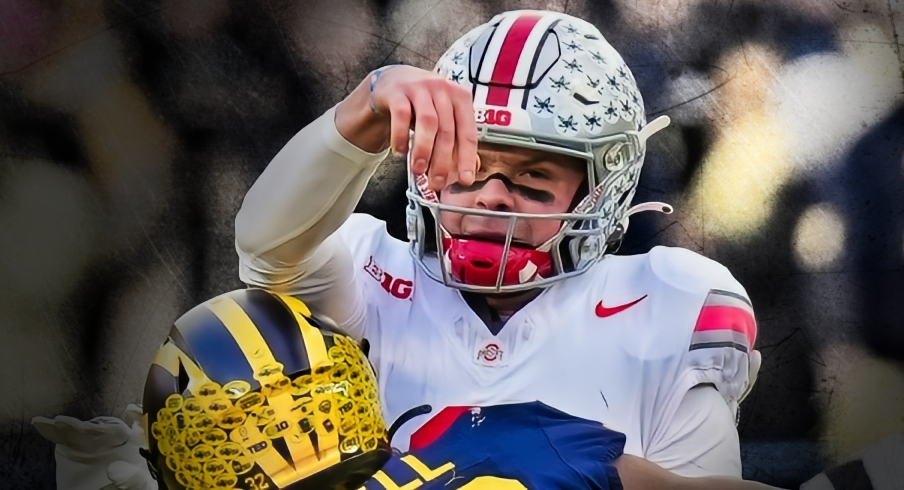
(46,428)
(137,437)
(130,476)
(132,414)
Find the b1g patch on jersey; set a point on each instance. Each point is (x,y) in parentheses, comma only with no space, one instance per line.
(726,320)
(395,286)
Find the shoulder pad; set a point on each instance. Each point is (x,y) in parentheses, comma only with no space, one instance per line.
(726,307)
(690,271)
(363,223)
(362,233)
(716,332)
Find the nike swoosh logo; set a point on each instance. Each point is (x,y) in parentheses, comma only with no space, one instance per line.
(603,312)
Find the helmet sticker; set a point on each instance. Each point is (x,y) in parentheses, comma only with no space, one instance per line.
(567,123)
(593,122)
(542,104)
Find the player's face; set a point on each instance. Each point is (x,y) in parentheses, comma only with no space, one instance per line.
(518,180)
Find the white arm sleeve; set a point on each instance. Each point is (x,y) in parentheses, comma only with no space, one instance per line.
(701,439)
(284,231)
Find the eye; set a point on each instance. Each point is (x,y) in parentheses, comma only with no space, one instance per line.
(536,174)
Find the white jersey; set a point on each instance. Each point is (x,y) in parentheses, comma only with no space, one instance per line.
(620,344)
(623,343)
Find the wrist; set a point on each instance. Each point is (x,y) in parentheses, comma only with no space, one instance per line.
(360,122)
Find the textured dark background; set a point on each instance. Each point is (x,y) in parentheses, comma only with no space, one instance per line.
(130,130)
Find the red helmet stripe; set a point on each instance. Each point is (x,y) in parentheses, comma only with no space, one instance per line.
(507,61)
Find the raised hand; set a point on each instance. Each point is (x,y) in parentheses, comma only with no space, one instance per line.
(396,99)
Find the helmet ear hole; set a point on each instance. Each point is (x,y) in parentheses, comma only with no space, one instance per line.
(566,255)
(614,159)
(615,239)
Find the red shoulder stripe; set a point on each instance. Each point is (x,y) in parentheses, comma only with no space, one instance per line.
(727,318)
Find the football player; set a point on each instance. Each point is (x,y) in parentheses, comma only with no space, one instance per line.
(524,147)
(252,391)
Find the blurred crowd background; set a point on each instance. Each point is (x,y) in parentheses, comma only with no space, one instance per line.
(130,131)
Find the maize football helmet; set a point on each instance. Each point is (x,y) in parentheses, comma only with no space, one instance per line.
(251,391)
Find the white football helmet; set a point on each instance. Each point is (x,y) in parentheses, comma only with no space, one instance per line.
(547,81)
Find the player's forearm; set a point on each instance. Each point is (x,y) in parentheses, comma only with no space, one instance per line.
(304,195)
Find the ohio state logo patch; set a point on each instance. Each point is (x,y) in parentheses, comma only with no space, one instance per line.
(491,354)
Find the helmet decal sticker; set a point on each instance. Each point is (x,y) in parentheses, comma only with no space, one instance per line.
(593,122)
(567,123)
(560,84)
(599,59)
(542,106)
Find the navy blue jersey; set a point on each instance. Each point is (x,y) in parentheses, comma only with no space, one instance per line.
(503,447)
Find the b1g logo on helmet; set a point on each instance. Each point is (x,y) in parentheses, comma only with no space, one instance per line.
(495,117)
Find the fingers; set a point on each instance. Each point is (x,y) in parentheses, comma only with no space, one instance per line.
(70,433)
(400,123)
(425,126)
(441,114)
(467,161)
(441,168)
(445,134)
(45,427)
(132,414)
(97,434)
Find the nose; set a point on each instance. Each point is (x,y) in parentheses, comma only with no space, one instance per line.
(495,196)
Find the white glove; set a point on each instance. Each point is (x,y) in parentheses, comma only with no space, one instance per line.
(101,453)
